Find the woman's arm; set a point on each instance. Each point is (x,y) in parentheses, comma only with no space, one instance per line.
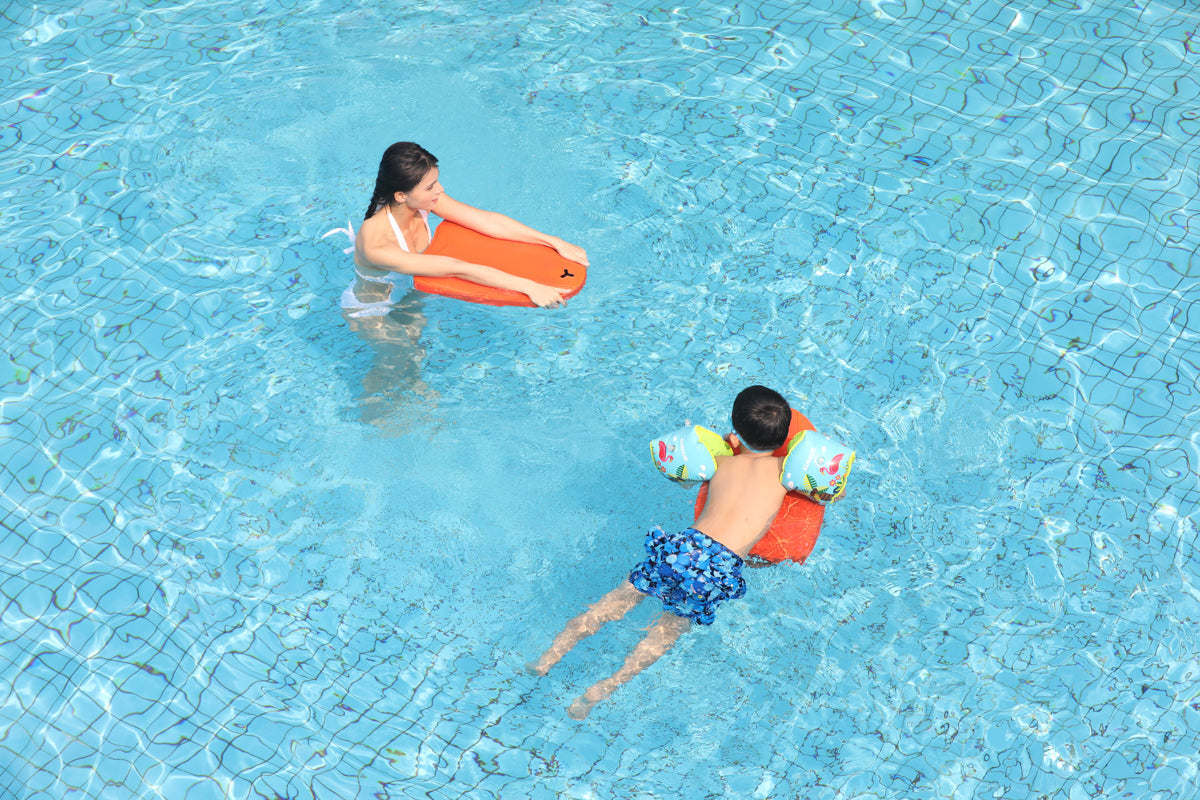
(499,226)
(387,255)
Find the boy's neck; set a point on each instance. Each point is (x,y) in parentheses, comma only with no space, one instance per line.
(747,450)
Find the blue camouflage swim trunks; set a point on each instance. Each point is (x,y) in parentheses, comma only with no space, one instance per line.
(690,573)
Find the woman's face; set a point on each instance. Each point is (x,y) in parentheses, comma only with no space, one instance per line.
(423,196)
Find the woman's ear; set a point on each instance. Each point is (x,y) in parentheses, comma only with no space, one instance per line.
(398,198)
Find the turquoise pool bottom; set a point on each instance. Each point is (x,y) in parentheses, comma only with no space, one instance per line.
(255,554)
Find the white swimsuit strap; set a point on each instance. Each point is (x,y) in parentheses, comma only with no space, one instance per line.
(400,236)
(396,230)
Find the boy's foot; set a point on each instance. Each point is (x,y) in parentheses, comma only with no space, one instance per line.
(584,704)
(580,709)
(537,668)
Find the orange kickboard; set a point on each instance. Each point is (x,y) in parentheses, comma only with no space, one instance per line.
(533,261)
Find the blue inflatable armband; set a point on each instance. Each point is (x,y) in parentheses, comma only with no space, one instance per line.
(816,466)
(689,454)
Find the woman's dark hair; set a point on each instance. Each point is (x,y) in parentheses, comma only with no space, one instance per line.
(761,418)
(401,168)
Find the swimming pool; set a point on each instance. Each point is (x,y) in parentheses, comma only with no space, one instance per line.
(251,553)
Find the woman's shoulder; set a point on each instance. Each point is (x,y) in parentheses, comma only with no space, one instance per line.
(374,226)
(371,234)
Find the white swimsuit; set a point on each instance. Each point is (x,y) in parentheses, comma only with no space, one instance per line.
(392,280)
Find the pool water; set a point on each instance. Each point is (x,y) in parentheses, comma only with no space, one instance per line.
(253,551)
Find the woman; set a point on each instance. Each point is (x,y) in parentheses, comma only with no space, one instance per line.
(390,245)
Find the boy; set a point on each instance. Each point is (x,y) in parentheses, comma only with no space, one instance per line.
(694,571)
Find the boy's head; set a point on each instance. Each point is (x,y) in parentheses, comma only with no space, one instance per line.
(761,418)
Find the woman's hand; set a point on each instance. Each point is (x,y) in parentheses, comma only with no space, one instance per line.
(571,252)
(545,296)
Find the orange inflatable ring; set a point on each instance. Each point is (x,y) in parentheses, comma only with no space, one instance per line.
(794,532)
(534,261)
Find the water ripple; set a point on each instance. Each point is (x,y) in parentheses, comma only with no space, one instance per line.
(958,236)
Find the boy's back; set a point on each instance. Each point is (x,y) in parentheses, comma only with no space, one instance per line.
(743,498)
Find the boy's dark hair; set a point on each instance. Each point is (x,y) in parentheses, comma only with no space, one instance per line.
(761,418)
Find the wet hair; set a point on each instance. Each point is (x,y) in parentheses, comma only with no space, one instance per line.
(761,418)
(402,167)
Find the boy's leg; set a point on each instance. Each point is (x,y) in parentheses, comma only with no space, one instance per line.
(661,636)
(609,608)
